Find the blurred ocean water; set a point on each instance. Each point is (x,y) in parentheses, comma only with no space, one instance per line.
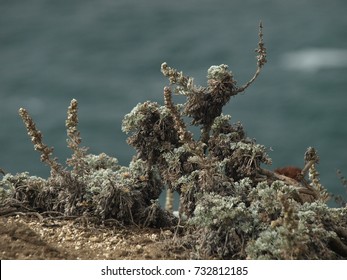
(107,54)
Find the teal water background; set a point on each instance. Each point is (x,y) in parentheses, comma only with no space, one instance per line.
(107,54)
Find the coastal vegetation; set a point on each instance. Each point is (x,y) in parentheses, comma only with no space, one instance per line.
(232,205)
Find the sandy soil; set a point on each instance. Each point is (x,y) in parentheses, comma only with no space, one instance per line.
(29,238)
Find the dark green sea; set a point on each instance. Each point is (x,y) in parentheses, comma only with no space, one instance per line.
(107,54)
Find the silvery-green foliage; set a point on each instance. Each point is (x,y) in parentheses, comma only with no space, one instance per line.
(265,222)
(220,122)
(98,180)
(10,181)
(222,223)
(264,198)
(31,190)
(152,131)
(101,161)
(219,72)
(242,187)
(132,120)
(310,238)
(214,211)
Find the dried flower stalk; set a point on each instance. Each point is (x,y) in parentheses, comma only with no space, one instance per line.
(261,60)
(315,183)
(311,159)
(74,139)
(180,126)
(71,125)
(36,139)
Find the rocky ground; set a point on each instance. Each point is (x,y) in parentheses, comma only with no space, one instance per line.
(29,238)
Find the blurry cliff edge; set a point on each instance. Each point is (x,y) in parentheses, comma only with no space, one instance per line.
(231,207)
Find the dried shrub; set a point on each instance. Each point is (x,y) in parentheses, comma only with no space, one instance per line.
(90,186)
(231,206)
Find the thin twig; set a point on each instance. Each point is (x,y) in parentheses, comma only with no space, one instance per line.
(261,60)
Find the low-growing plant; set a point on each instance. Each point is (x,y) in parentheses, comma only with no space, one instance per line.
(90,186)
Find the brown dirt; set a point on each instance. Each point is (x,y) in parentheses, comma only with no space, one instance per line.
(28,238)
